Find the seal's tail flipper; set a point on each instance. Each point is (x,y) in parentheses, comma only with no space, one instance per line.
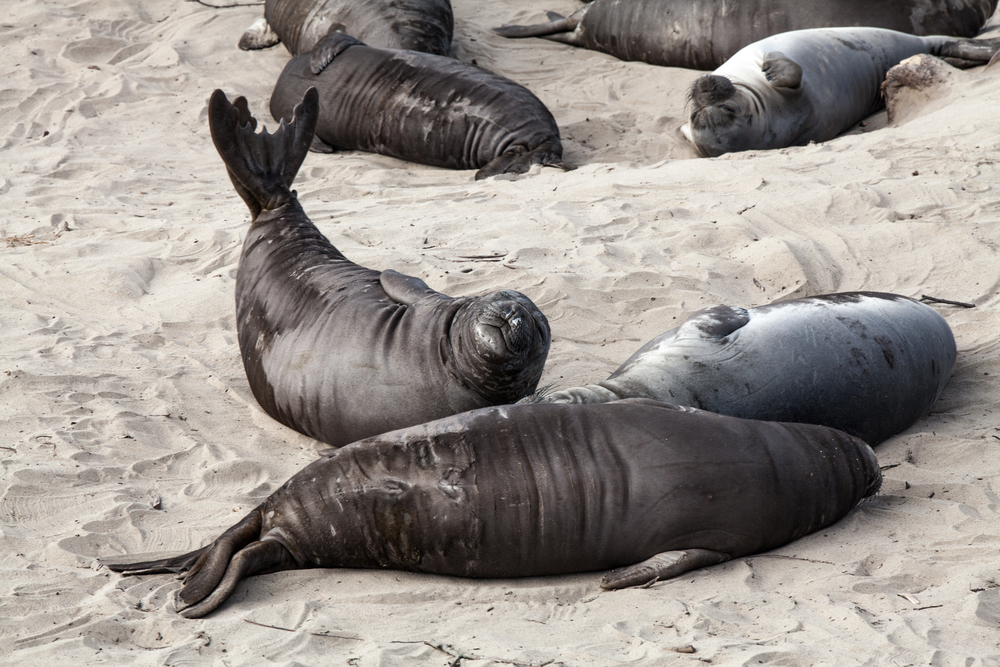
(519,159)
(261,165)
(966,53)
(666,565)
(557,24)
(176,565)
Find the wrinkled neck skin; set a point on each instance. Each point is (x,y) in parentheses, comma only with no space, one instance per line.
(500,341)
(747,114)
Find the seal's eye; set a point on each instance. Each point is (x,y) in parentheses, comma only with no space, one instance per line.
(729,109)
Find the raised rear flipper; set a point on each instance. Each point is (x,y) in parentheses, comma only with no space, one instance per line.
(518,160)
(262,166)
(664,565)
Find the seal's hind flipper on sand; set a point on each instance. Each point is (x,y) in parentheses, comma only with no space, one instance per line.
(666,565)
(175,565)
(405,289)
(966,53)
(262,165)
(554,27)
(518,160)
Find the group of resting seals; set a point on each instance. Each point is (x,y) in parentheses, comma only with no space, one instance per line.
(592,478)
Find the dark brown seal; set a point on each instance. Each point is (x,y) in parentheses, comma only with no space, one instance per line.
(703,34)
(341,352)
(529,490)
(417,25)
(419,107)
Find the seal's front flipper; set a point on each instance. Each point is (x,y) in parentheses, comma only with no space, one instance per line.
(664,565)
(715,322)
(780,71)
(320,146)
(259,36)
(557,24)
(404,289)
(329,47)
(263,164)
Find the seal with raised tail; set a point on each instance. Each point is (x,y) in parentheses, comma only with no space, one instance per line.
(703,34)
(340,352)
(419,107)
(867,363)
(416,25)
(526,490)
(807,85)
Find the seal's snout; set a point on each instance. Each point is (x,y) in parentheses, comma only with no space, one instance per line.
(711,89)
(511,325)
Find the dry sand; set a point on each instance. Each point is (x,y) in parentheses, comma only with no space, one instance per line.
(127,426)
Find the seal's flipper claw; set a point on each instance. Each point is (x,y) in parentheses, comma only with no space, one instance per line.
(781,71)
(256,558)
(664,565)
(260,35)
(329,47)
(405,289)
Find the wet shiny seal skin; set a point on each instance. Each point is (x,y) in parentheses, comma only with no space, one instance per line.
(340,352)
(807,85)
(867,363)
(526,490)
(417,25)
(703,34)
(419,107)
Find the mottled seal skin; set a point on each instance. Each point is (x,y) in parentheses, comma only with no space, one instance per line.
(419,107)
(807,85)
(340,352)
(527,490)
(417,25)
(867,363)
(703,34)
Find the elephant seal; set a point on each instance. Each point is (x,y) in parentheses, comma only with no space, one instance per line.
(866,363)
(340,352)
(703,34)
(806,85)
(419,107)
(417,25)
(526,490)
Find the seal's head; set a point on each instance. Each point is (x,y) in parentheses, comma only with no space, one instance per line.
(501,342)
(724,118)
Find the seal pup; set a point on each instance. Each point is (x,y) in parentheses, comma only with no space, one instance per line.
(526,490)
(867,363)
(419,107)
(417,25)
(703,34)
(340,352)
(807,85)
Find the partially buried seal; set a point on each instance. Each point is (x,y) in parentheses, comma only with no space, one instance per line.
(419,107)
(341,352)
(530,490)
(703,34)
(417,25)
(867,363)
(807,85)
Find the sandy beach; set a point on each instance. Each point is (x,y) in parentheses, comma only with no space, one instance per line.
(127,425)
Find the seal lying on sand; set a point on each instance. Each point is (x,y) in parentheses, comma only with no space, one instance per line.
(340,352)
(807,85)
(529,490)
(419,107)
(417,25)
(867,363)
(703,34)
